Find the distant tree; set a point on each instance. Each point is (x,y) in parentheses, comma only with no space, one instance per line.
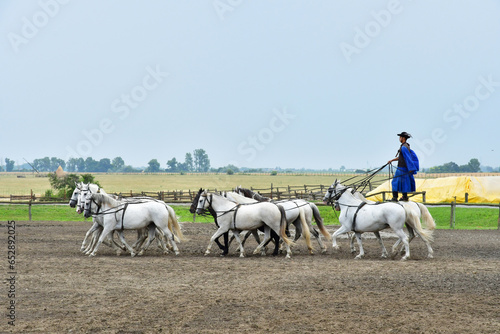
(474,165)
(91,165)
(9,165)
(104,165)
(172,165)
(89,178)
(43,165)
(117,164)
(188,162)
(129,169)
(64,185)
(1,168)
(154,166)
(56,162)
(201,160)
(71,165)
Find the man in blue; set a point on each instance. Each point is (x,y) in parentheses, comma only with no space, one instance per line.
(403,180)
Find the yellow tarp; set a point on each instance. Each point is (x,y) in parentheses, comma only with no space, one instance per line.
(481,189)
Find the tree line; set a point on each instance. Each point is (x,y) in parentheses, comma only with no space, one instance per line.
(473,166)
(198,161)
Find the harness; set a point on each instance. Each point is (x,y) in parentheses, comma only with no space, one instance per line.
(356,214)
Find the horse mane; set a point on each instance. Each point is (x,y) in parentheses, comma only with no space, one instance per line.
(252,194)
(106,199)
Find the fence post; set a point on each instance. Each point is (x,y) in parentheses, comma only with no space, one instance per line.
(423,196)
(498,225)
(466,197)
(271,191)
(452,216)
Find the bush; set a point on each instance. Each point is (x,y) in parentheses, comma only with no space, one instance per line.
(273,173)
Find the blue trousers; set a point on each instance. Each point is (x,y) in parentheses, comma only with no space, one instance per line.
(403,180)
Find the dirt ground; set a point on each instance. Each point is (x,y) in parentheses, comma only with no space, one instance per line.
(60,290)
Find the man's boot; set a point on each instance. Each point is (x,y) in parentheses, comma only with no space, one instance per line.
(394,196)
(404,198)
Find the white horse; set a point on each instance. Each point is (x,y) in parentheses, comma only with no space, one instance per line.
(119,216)
(95,230)
(292,209)
(293,212)
(163,243)
(423,215)
(358,216)
(236,217)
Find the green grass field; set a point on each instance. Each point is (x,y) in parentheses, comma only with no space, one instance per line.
(466,218)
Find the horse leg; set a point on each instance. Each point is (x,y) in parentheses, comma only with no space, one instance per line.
(217,233)
(93,240)
(237,237)
(317,236)
(267,238)
(384,251)
(351,238)
(225,247)
(360,244)
(91,230)
(255,234)
(411,235)
(403,238)
(122,239)
(105,232)
(341,230)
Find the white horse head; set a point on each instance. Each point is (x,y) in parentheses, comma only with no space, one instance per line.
(334,192)
(76,193)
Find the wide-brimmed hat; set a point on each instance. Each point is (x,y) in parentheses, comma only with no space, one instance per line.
(404,134)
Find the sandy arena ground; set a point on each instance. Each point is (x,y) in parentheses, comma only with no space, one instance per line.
(60,290)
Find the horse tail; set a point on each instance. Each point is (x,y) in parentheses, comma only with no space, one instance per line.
(305,229)
(283,225)
(173,222)
(319,221)
(429,222)
(413,220)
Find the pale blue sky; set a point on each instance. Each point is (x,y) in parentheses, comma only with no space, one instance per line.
(301,84)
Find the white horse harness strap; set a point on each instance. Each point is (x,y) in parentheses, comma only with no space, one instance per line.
(234,217)
(356,214)
(123,213)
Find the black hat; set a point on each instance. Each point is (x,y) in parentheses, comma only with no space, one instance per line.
(404,134)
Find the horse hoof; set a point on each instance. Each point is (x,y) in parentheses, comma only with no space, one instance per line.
(430,256)
(132,254)
(336,247)
(242,255)
(404,258)
(384,256)
(359,257)
(207,252)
